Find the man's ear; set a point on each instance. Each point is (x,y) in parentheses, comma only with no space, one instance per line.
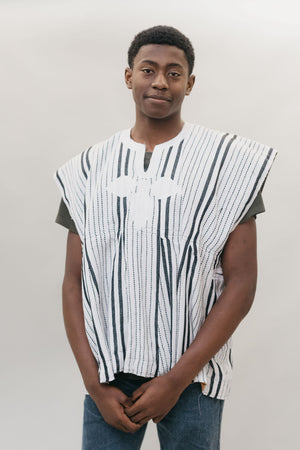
(190,84)
(128,77)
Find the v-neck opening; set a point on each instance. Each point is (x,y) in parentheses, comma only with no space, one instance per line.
(141,151)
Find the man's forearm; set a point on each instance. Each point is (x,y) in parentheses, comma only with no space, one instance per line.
(221,322)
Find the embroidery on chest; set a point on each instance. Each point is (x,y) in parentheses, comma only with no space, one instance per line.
(142,195)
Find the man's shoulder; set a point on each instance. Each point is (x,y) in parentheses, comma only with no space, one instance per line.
(231,146)
(203,130)
(229,134)
(109,142)
(90,153)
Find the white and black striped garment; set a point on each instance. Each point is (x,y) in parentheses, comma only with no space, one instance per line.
(152,242)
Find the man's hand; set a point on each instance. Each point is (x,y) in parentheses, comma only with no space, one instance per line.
(111,402)
(153,400)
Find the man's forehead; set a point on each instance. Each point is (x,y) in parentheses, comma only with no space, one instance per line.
(161,54)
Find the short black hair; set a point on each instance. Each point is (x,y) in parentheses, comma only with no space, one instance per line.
(162,35)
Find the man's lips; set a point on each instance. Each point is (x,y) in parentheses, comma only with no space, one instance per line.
(158,98)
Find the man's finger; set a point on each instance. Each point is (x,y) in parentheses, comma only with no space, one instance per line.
(129,426)
(133,410)
(144,420)
(139,418)
(137,394)
(158,418)
(127,402)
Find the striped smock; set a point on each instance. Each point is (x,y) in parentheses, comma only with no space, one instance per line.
(152,242)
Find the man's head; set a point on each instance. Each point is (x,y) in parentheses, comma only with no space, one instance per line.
(162,35)
(159,74)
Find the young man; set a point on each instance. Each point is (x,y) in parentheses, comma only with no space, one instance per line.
(161,259)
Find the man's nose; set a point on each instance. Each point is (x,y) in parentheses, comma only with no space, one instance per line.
(160,81)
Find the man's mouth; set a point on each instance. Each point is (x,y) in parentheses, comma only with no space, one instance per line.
(158,98)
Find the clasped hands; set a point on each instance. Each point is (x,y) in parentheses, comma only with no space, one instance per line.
(152,400)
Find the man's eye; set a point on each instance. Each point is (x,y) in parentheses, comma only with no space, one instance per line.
(174,74)
(147,71)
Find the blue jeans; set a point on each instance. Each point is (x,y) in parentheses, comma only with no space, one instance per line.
(193,423)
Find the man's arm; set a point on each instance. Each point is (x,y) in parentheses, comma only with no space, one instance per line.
(109,399)
(154,399)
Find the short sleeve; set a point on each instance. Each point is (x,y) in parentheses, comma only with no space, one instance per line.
(63,217)
(257,207)
(71,179)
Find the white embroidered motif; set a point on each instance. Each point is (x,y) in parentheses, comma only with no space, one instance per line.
(142,193)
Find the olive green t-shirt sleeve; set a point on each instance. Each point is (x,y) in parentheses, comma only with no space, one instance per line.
(63,217)
(257,207)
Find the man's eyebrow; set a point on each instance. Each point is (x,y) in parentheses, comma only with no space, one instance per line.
(153,63)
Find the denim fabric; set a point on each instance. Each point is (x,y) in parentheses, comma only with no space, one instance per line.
(193,423)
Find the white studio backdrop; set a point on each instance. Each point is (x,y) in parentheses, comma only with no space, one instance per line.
(62,89)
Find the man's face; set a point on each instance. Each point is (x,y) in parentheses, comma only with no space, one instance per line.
(159,81)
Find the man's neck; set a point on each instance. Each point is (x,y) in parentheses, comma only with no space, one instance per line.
(152,132)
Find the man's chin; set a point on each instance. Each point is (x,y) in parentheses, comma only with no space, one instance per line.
(158,115)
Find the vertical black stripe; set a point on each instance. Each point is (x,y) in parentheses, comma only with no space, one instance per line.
(209,297)
(113,312)
(186,331)
(230,358)
(125,198)
(176,160)
(101,354)
(212,380)
(215,298)
(165,267)
(166,162)
(84,215)
(119,216)
(167,218)
(195,260)
(127,161)
(95,333)
(121,297)
(220,381)
(124,217)
(63,187)
(189,325)
(84,212)
(189,332)
(157,286)
(82,165)
(120,161)
(170,291)
(119,273)
(87,158)
(92,271)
